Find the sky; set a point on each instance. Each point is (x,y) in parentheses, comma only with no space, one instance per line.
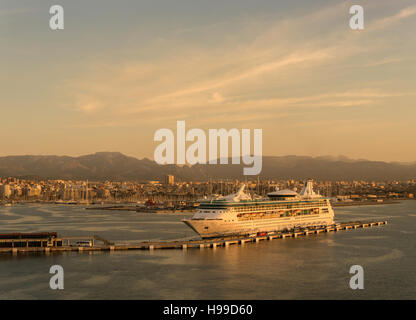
(121,70)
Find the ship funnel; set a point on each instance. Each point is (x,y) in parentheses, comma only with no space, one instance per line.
(239,195)
(307,190)
(241,190)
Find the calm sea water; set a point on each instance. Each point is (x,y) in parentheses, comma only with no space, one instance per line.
(312,267)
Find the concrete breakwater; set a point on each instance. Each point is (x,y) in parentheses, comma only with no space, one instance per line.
(91,245)
(362,203)
(142,209)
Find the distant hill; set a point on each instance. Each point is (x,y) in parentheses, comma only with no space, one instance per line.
(119,167)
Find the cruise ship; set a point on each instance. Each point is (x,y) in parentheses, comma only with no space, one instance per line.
(241,214)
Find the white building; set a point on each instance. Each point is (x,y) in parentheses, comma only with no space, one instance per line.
(5,191)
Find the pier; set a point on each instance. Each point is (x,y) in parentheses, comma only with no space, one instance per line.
(89,243)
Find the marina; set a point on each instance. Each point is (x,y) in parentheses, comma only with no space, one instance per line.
(91,243)
(135,270)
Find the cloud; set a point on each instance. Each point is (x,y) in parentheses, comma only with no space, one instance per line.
(217,97)
(388,21)
(87,104)
(384,62)
(263,73)
(270,66)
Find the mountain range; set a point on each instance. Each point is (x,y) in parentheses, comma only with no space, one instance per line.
(119,167)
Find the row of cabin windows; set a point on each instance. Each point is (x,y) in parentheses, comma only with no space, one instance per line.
(254,208)
(286,214)
(280,206)
(269,208)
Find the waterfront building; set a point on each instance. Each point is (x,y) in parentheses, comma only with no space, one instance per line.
(170,179)
(5,191)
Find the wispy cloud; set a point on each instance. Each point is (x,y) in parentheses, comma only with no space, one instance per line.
(399,16)
(263,74)
(384,62)
(293,59)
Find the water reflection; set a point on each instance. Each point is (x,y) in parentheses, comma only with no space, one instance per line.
(313,267)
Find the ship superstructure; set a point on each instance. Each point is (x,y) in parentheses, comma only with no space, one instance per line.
(241,214)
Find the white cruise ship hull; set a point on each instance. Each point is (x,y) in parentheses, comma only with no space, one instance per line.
(210,228)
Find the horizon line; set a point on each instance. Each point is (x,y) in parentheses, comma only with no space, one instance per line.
(329,157)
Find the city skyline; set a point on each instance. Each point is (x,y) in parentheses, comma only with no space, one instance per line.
(116,74)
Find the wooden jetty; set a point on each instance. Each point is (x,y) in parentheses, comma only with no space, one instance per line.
(89,243)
